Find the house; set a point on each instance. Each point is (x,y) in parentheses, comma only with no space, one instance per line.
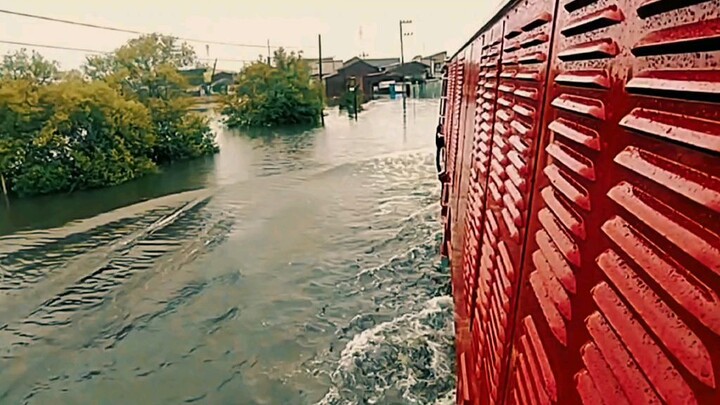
(380,63)
(336,84)
(410,72)
(202,83)
(330,66)
(435,61)
(194,76)
(221,82)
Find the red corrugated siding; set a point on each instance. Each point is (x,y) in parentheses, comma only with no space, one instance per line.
(585,204)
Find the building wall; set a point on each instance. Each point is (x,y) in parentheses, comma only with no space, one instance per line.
(335,85)
(330,67)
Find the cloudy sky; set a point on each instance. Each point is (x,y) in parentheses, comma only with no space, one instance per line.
(349,28)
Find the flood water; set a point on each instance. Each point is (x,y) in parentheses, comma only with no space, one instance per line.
(295,267)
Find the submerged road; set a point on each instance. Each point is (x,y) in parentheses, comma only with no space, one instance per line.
(292,268)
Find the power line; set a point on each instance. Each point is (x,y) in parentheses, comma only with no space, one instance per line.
(68,48)
(64,48)
(128,31)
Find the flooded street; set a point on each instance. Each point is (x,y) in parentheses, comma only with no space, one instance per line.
(292,268)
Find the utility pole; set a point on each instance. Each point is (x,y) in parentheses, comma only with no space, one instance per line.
(268,46)
(322,82)
(402,50)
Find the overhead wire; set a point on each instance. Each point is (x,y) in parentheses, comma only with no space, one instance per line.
(129,31)
(68,48)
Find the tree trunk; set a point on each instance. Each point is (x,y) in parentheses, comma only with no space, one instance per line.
(4,187)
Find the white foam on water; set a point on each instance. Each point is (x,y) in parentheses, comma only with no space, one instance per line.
(402,331)
(405,254)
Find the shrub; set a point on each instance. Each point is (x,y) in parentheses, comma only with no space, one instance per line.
(71,135)
(277,95)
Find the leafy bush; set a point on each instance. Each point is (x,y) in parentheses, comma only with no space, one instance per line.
(277,95)
(179,136)
(75,134)
(348,104)
(71,135)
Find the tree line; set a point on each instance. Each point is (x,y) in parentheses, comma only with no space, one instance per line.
(124,114)
(117,118)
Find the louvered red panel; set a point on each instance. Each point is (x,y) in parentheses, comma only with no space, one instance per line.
(462,179)
(486,117)
(623,252)
(484,120)
(469,179)
(515,134)
(450,190)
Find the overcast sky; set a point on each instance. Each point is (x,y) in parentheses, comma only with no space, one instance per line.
(349,28)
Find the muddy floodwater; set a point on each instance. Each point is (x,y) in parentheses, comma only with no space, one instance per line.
(295,267)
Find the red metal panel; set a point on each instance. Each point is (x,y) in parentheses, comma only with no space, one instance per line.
(462,183)
(622,268)
(486,95)
(512,152)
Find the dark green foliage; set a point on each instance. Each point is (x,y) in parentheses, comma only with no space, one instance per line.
(77,134)
(71,135)
(348,104)
(278,95)
(179,135)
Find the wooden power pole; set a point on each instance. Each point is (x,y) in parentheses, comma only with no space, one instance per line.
(322,81)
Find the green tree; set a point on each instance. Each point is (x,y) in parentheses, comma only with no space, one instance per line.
(146,69)
(71,135)
(65,132)
(266,95)
(32,67)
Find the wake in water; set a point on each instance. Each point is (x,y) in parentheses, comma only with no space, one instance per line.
(402,351)
(406,360)
(214,295)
